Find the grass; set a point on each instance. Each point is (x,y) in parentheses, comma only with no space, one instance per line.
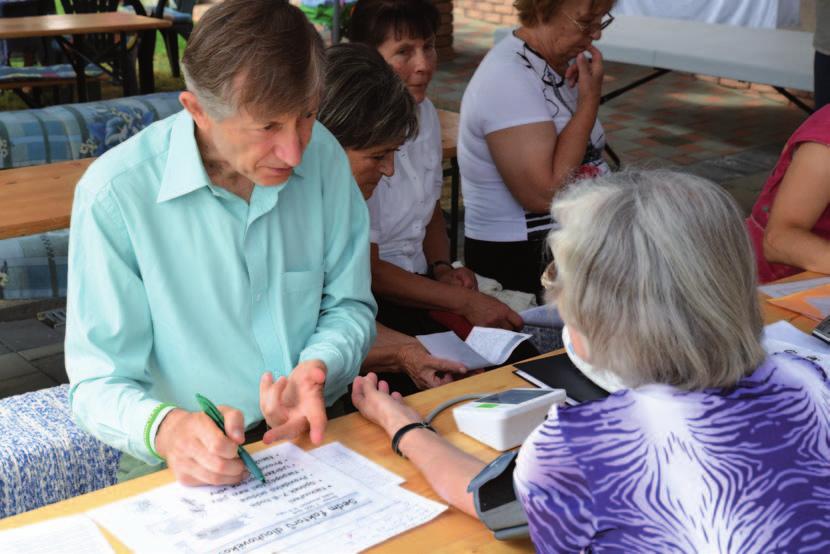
(164,80)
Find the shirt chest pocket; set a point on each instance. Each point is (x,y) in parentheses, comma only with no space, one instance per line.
(298,305)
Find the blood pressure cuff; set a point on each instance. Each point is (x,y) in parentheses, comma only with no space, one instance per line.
(495,499)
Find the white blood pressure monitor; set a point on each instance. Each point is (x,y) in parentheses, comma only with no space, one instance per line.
(504,420)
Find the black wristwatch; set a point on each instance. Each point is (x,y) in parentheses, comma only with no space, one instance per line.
(396,439)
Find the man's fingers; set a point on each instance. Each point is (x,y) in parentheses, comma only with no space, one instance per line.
(292,428)
(317,423)
(189,472)
(515,320)
(234,424)
(265,383)
(213,440)
(447,366)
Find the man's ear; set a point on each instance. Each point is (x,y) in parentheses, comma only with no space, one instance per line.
(194,107)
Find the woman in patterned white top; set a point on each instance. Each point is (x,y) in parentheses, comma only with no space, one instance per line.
(715,447)
(527,128)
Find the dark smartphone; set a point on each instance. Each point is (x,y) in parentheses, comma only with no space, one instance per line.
(822,330)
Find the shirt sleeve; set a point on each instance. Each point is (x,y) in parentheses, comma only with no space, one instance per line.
(109,333)
(554,491)
(510,95)
(346,325)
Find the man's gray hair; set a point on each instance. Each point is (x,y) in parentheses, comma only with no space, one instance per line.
(656,270)
(262,56)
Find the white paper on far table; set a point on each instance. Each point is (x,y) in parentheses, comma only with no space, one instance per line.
(306,506)
(358,467)
(784,289)
(484,346)
(68,535)
(786,332)
(542,316)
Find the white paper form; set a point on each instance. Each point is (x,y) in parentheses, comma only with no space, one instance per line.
(484,347)
(783,289)
(358,467)
(305,505)
(786,332)
(68,535)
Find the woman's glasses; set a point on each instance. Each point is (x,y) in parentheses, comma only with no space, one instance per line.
(591,28)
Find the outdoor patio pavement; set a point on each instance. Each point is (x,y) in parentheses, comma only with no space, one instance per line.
(732,136)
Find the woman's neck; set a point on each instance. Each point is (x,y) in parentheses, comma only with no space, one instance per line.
(536,38)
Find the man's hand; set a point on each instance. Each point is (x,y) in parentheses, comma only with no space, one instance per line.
(486,311)
(293,405)
(459,276)
(425,370)
(198,452)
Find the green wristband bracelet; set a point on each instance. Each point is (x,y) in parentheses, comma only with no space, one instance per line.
(149,427)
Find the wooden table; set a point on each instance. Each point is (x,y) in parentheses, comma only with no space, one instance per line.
(78,25)
(450,532)
(449,150)
(38,198)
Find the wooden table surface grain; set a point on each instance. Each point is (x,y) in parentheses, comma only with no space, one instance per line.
(77,24)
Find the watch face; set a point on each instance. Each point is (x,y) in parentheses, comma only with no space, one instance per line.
(515,396)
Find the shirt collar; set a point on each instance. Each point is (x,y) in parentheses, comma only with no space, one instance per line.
(185,171)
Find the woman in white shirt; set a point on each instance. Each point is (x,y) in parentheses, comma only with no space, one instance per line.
(528,126)
(409,238)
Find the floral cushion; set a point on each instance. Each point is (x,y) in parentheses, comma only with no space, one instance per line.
(75,131)
(44,456)
(9,74)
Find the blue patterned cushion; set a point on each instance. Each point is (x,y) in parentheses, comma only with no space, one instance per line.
(74,131)
(34,266)
(44,456)
(545,339)
(9,74)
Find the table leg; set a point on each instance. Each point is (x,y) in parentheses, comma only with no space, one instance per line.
(127,68)
(795,100)
(78,63)
(454,192)
(146,49)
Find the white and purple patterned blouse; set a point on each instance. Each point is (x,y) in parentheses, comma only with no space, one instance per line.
(743,470)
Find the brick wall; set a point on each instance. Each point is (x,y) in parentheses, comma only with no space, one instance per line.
(500,12)
(443,39)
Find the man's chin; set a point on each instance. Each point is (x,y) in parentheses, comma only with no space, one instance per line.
(273,177)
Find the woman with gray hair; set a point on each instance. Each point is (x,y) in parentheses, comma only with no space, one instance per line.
(712,446)
(371,113)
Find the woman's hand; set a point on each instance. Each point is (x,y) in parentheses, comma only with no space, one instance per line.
(460,276)
(425,370)
(588,74)
(371,397)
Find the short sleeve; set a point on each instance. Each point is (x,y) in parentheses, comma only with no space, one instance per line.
(554,491)
(509,94)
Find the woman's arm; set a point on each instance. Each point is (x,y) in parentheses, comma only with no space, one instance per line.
(409,289)
(395,352)
(802,198)
(532,160)
(447,469)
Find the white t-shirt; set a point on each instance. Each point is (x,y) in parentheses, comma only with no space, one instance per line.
(402,205)
(513,86)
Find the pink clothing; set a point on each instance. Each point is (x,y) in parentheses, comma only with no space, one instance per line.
(815,129)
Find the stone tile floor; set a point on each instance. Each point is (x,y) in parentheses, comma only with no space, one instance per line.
(732,136)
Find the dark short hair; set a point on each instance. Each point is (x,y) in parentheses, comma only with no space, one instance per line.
(269,44)
(372,21)
(365,104)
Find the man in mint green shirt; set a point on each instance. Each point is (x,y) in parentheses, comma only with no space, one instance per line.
(221,251)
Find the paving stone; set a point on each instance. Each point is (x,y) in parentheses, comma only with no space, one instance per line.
(3,349)
(53,366)
(42,351)
(13,365)
(28,333)
(26,383)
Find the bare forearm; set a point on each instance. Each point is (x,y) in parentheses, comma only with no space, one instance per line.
(572,145)
(447,469)
(797,247)
(436,242)
(384,354)
(409,289)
